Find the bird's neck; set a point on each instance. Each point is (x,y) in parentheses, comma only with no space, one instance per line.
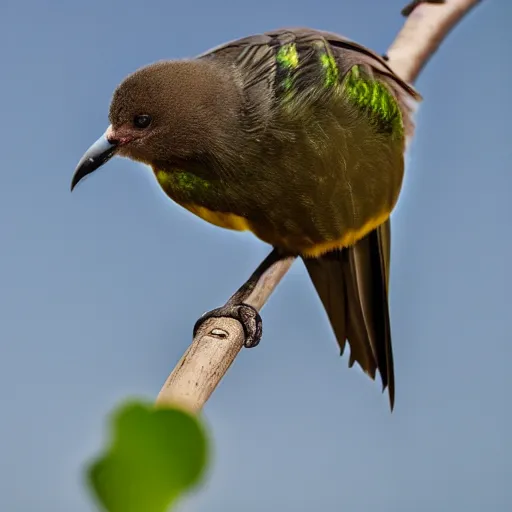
(208,135)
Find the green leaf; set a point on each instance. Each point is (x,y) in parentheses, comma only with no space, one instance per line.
(156,454)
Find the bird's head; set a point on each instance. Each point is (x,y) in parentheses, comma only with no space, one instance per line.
(167,112)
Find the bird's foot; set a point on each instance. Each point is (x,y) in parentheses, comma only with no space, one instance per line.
(245,314)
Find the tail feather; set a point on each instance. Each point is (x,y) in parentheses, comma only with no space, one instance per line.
(352,284)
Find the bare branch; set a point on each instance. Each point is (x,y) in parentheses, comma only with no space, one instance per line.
(214,348)
(219,340)
(410,7)
(423,31)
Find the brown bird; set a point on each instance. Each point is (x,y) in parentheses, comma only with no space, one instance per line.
(296,135)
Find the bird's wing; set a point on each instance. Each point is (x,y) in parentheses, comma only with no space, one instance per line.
(255,61)
(349,54)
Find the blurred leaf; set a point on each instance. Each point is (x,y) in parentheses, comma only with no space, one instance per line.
(156,454)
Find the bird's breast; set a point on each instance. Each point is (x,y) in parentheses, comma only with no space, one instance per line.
(201,197)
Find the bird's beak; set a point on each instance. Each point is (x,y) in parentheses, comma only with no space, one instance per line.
(97,155)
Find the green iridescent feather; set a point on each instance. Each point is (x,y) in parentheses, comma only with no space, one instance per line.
(287,56)
(329,67)
(287,59)
(183,183)
(373,97)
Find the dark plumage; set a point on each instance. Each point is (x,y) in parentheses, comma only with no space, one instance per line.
(297,135)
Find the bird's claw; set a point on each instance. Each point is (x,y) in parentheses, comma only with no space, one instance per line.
(245,314)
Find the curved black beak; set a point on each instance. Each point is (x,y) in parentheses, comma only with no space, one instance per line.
(98,154)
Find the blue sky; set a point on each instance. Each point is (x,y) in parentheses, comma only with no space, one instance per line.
(99,289)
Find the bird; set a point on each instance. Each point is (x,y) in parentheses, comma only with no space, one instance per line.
(297,135)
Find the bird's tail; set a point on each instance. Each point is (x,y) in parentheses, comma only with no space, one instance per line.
(353,286)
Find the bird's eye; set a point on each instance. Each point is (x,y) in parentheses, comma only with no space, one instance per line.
(142,121)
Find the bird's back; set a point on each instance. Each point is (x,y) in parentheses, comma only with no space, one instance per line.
(310,64)
(324,125)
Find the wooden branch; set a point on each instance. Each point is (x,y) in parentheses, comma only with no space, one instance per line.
(410,7)
(424,30)
(214,348)
(219,340)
